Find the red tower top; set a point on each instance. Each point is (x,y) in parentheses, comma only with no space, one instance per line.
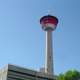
(49,22)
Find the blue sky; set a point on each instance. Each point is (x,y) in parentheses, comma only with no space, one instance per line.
(22,41)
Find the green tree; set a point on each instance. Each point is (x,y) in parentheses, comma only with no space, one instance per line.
(70,75)
(60,77)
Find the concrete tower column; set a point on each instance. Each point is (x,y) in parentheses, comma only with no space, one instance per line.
(49,53)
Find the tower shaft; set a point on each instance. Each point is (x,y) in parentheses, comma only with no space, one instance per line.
(49,53)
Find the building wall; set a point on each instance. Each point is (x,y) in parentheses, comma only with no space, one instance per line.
(3,74)
(12,72)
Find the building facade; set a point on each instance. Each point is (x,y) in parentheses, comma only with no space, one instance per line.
(12,72)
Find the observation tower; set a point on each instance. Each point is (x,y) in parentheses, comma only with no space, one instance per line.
(49,24)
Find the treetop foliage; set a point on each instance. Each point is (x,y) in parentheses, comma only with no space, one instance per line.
(69,75)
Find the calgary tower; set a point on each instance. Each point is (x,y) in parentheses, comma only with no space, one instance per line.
(49,24)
